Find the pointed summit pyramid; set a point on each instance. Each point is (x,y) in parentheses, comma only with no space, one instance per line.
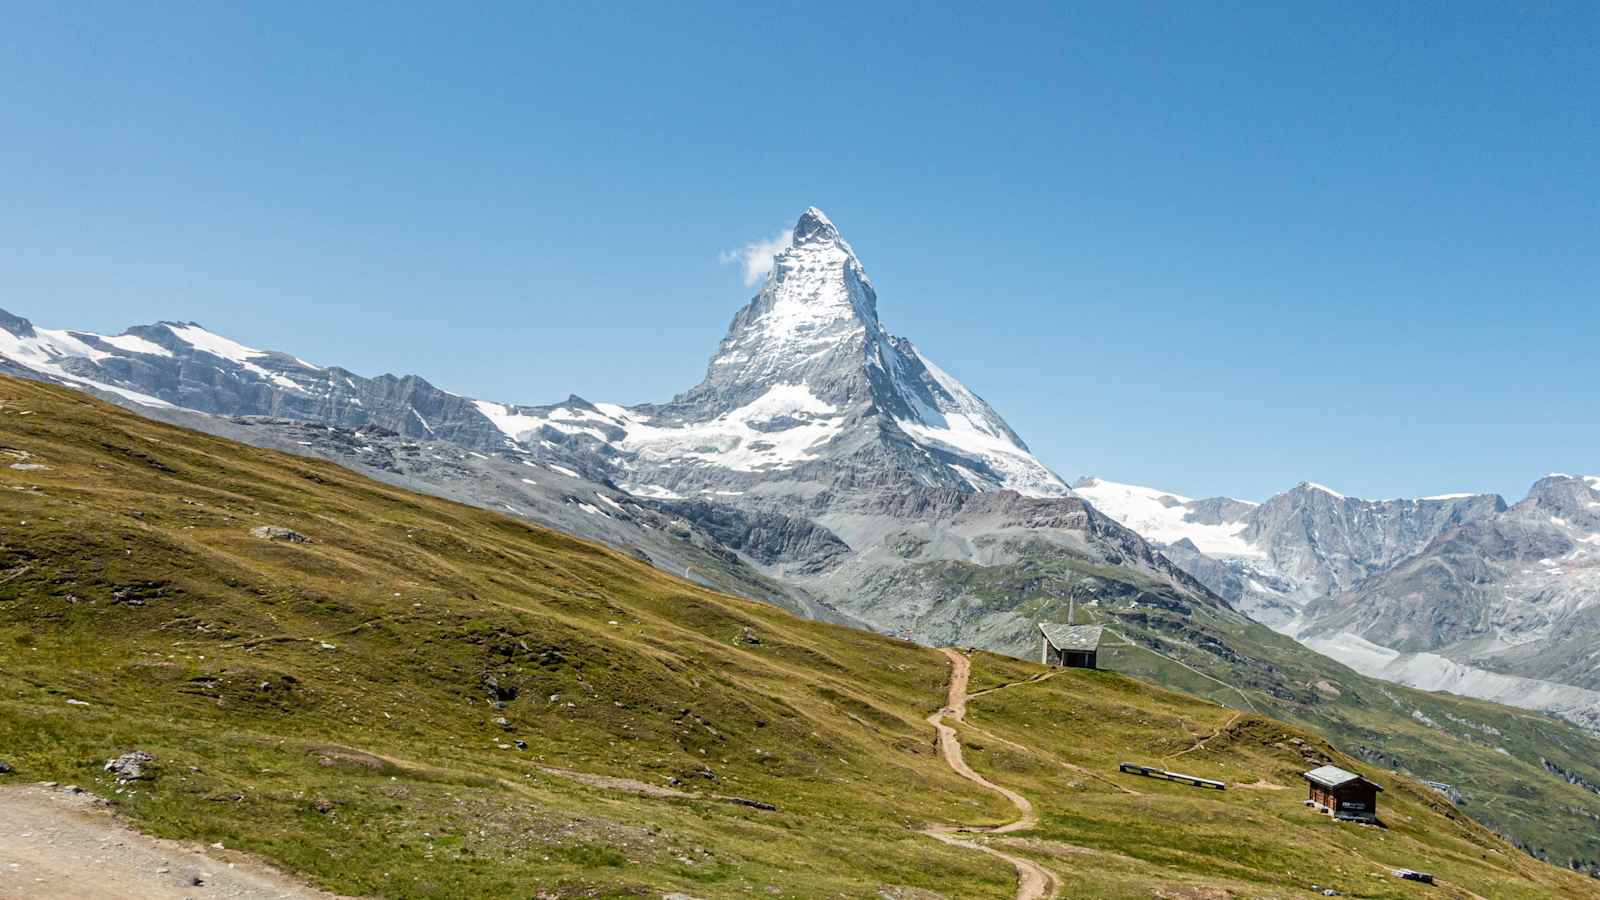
(815,315)
(814,225)
(832,394)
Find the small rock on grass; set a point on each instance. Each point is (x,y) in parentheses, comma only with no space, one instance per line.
(279,533)
(129,766)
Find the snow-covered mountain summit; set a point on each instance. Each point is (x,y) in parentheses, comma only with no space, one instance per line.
(809,354)
(816,313)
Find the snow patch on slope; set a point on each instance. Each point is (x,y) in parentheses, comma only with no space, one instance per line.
(135,344)
(519,426)
(45,352)
(233,351)
(778,430)
(512,424)
(1162,518)
(1326,490)
(961,422)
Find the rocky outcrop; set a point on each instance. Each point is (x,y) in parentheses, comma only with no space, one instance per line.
(278,533)
(1324,542)
(1271,559)
(769,538)
(1513,592)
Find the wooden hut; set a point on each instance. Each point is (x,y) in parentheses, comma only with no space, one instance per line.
(1343,794)
(1073,646)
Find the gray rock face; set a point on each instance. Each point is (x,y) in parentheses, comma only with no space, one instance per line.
(946,566)
(769,538)
(1271,559)
(1324,542)
(1219,511)
(1513,593)
(1229,580)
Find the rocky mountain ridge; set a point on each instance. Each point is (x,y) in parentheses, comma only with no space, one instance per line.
(1272,559)
(1457,592)
(1505,605)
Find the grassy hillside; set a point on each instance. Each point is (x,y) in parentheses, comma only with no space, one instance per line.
(426,699)
(1033,737)
(1511,766)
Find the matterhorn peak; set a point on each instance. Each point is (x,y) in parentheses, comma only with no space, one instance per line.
(810,345)
(814,225)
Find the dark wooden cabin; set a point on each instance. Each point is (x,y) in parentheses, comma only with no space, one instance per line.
(1073,646)
(1345,795)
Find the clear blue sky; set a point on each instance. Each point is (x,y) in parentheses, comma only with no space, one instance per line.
(1217,251)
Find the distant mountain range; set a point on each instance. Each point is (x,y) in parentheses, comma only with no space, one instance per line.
(1272,559)
(1456,592)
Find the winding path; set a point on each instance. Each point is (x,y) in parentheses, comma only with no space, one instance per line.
(1200,744)
(1034,882)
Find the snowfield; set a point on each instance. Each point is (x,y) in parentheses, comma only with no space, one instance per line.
(1162,517)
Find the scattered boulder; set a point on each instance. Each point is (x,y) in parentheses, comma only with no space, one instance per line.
(748,636)
(137,593)
(279,533)
(499,691)
(130,766)
(753,804)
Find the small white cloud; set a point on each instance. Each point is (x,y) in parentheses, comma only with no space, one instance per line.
(756,256)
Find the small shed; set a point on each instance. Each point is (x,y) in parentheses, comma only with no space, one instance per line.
(1073,646)
(1345,795)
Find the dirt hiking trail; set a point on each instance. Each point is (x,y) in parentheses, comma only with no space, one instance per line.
(1034,882)
(60,845)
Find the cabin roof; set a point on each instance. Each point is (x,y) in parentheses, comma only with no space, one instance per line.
(1333,777)
(1072,637)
